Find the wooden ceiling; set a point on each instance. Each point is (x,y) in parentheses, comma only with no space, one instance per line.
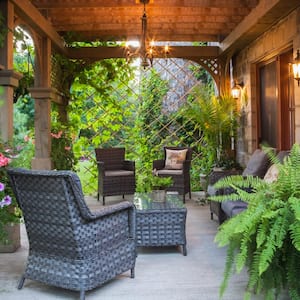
(231,24)
(168,20)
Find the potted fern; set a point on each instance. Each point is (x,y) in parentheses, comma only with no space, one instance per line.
(265,238)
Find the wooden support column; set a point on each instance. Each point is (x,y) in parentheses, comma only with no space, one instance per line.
(8,78)
(42,120)
(8,81)
(43,94)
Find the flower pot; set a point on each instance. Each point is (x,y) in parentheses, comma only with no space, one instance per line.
(159,195)
(13,239)
(204,182)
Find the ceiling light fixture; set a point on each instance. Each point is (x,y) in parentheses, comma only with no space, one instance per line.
(146,50)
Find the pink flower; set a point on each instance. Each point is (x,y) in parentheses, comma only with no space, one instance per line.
(2,187)
(26,138)
(57,135)
(4,161)
(68,148)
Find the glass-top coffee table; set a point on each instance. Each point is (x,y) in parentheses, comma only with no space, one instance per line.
(160,223)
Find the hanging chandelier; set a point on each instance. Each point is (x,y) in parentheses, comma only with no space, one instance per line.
(147,49)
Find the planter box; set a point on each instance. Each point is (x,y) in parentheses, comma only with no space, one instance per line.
(13,239)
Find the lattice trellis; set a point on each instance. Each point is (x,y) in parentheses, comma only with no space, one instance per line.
(181,80)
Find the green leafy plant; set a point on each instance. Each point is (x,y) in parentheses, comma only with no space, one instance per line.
(215,118)
(160,183)
(9,211)
(265,238)
(62,154)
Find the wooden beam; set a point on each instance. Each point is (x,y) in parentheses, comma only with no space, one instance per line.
(103,52)
(33,17)
(258,21)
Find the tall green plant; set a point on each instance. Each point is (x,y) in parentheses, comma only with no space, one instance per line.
(265,238)
(150,128)
(216,119)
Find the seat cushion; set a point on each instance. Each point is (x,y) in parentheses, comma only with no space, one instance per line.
(258,164)
(229,206)
(237,210)
(169,172)
(175,159)
(118,173)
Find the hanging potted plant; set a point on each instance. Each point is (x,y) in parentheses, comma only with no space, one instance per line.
(265,238)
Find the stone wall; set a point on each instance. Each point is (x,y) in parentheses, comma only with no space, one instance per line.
(282,36)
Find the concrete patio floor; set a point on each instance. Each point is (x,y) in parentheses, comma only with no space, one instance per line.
(161,273)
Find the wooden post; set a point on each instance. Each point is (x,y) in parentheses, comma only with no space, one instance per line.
(8,78)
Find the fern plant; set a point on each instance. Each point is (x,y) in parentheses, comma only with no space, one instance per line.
(265,238)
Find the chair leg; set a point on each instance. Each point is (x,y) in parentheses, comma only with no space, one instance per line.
(82,295)
(132,273)
(103,200)
(98,196)
(21,282)
(183,197)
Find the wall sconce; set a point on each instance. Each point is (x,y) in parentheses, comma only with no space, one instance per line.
(296,67)
(236,90)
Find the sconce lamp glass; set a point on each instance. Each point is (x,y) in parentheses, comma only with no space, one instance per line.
(296,67)
(236,90)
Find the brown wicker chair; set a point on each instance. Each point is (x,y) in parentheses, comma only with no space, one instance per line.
(181,177)
(70,246)
(116,176)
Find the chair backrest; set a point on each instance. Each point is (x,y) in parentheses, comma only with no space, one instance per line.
(188,153)
(258,164)
(53,208)
(113,158)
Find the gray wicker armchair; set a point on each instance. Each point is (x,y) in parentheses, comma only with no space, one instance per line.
(70,246)
(180,175)
(116,176)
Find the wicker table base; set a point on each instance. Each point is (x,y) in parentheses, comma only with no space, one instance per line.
(160,223)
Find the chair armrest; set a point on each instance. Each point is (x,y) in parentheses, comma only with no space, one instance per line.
(115,209)
(214,176)
(129,165)
(101,168)
(111,209)
(186,165)
(158,164)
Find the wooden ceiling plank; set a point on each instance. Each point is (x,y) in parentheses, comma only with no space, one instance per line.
(264,10)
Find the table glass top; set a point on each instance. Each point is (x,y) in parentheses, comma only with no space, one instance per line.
(144,201)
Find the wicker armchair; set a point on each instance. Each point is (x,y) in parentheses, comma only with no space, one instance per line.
(70,246)
(116,176)
(180,176)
